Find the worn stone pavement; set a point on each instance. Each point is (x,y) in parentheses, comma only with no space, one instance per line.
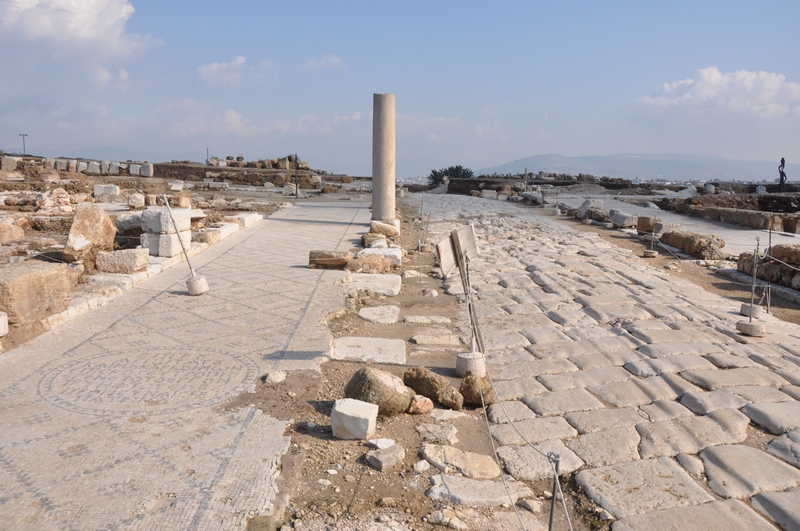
(639,380)
(112,421)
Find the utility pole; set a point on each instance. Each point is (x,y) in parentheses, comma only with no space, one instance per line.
(23,135)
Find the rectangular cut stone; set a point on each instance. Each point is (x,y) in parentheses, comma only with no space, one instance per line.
(608,447)
(494,339)
(530,464)
(674,364)
(509,411)
(394,254)
(113,168)
(791,376)
(702,402)
(226,229)
(586,378)
(718,378)
(61,165)
(3,324)
(124,261)
(715,516)
(93,168)
(147,170)
(353,419)
(758,394)
(469,492)
(531,368)
(388,285)
(135,169)
(166,245)
(671,349)
(690,435)
(586,346)
(158,220)
(605,419)
(534,430)
(82,166)
(783,508)
(664,410)
(725,360)
(560,402)
(106,189)
(570,317)
(641,487)
(525,308)
(608,313)
(777,417)
(545,335)
(376,350)
(616,358)
(672,336)
(602,300)
(517,388)
(636,391)
(104,167)
(738,471)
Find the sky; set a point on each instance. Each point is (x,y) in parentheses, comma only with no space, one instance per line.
(476,83)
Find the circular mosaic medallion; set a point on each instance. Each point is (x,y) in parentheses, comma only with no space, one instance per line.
(153,382)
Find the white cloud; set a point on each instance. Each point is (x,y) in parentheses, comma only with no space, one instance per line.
(763,95)
(97,26)
(224,73)
(325,62)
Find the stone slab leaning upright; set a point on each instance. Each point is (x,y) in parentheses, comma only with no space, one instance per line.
(383,157)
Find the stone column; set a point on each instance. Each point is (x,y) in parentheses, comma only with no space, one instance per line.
(383,157)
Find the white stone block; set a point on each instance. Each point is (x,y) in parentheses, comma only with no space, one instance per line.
(247,219)
(135,169)
(103,189)
(104,167)
(353,419)
(49,164)
(393,254)
(175,186)
(113,168)
(124,261)
(8,164)
(226,229)
(156,220)
(94,168)
(62,164)
(489,194)
(82,167)
(166,245)
(147,170)
(3,324)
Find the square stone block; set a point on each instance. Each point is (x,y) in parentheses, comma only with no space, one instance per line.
(157,220)
(135,169)
(106,189)
(353,419)
(147,170)
(166,245)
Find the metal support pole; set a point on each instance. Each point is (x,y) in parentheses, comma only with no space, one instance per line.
(296,178)
(753,285)
(23,135)
(769,274)
(183,247)
(556,460)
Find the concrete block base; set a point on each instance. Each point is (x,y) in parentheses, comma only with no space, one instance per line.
(747,308)
(752,329)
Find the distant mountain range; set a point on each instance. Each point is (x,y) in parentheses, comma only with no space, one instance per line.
(650,167)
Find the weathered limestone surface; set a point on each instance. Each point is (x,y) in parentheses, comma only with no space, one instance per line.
(641,487)
(378,350)
(380,314)
(92,231)
(585,378)
(691,434)
(534,430)
(738,471)
(608,447)
(674,364)
(380,388)
(500,413)
(560,402)
(705,402)
(32,290)
(778,418)
(451,460)
(714,516)
(605,419)
(517,388)
(475,492)
(783,508)
(124,261)
(639,391)
(166,245)
(670,349)
(353,419)
(531,464)
(717,379)
(787,447)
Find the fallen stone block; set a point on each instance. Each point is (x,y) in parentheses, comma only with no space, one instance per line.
(157,220)
(166,245)
(147,170)
(8,164)
(32,290)
(641,487)
(394,254)
(622,219)
(125,261)
(370,264)
(136,201)
(476,492)
(381,388)
(329,259)
(451,460)
(386,458)
(380,314)
(587,205)
(92,231)
(353,419)
(10,232)
(135,169)
(106,189)
(739,471)
(381,227)
(438,433)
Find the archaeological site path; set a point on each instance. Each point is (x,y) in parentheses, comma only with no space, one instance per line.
(113,419)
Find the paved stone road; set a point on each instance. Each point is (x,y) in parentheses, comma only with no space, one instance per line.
(637,379)
(112,420)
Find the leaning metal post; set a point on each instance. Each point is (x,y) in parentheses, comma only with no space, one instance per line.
(554,459)
(753,285)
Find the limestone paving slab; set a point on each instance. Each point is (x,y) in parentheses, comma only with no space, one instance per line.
(670,349)
(702,402)
(674,364)
(717,379)
(738,471)
(691,434)
(777,417)
(377,350)
(783,508)
(476,492)
(380,314)
(530,463)
(640,391)
(787,447)
(585,347)
(727,360)
(664,410)
(608,313)
(758,394)
(560,402)
(615,358)
(713,516)
(607,447)
(512,410)
(531,368)
(533,430)
(388,285)
(584,378)
(641,487)
(605,419)
(518,388)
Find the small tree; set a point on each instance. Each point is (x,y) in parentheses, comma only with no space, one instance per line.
(438,177)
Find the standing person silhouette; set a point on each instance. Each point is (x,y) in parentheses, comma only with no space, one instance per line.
(782,183)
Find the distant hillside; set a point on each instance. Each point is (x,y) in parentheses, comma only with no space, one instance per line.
(650,167)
